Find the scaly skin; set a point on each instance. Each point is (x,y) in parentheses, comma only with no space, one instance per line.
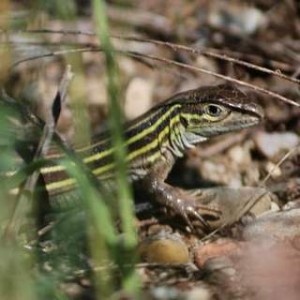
(157,138)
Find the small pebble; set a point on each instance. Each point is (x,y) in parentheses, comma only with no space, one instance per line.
(165,249)
(138,97)
(271,144)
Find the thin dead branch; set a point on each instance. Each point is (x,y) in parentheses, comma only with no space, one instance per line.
(23,203)
(167,62)
(210,53)
(177,47)
(224,77)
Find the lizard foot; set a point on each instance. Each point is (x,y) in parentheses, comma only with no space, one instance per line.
(190,206)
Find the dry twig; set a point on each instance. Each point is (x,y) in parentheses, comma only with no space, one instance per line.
(23,203)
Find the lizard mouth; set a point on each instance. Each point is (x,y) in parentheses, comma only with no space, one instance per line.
(249,122)
(241,124)
(229,127)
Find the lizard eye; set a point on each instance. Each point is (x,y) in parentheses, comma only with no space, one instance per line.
(213,110)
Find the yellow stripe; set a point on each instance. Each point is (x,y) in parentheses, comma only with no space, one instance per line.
(144,149)
(52,169)
(131,156)
(60,184)
(144,120)
(154,157)
(134,138)
(103,169)
(190,117)
(102,154)
(149,116)
(154,143)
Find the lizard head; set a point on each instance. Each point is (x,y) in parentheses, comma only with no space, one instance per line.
(214,110)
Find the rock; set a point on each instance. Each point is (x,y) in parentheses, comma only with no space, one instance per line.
(138,97)
(240,19)
(274,225)
(165,249)
(197,293)
(222,247)
(271,144)
(231,203)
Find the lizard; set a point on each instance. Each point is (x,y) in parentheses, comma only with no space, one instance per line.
(157,138)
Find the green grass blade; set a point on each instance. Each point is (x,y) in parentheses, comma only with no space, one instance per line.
(130,280)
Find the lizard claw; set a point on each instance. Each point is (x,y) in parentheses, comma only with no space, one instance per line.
(188,210)
(199,217)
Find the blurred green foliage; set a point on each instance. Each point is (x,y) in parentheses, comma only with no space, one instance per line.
(85,239)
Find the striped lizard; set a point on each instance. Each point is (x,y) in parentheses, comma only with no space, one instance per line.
(155,139)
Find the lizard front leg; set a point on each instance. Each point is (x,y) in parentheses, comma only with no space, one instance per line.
(179,201)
